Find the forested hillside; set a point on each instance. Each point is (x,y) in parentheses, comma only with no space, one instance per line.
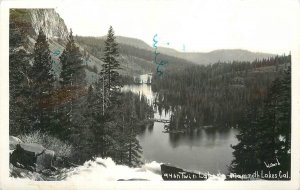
(94,117)
(265,134)
(254,97)
(223,55)
(218,93)
(135,59)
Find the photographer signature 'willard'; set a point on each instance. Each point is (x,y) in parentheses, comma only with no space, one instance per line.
(270,165)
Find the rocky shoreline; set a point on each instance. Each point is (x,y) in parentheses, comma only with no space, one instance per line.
(33,161)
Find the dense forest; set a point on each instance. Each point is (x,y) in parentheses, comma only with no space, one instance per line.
(94,119)
(254,97)
(217,94)
(265,135)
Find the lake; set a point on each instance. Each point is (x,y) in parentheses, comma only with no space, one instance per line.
(205,150)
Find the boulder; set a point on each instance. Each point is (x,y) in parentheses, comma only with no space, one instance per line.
(44,161)
(35,148)
(13,141)
(64,162)
(22,158)
(17,172)
(32,156)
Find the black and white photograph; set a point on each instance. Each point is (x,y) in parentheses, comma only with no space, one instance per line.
(151,91)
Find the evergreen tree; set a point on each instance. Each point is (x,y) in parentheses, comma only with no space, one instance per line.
(42,82)
(19,84)
(129,149)
(100,124)
(112,83)
(284,122)
(72,80)
(20,103)
(72,73)
(87,139)
(245,158)
(266,136)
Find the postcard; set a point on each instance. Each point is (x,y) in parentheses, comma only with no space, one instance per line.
(150,94)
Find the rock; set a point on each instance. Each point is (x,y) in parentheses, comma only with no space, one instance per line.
(171,173)
(23,158)
(24,173)
(44,160)
(32,156)
(63,162)
(13,141)
(58,162)
(37,149)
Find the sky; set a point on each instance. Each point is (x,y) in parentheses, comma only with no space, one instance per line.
(190,25)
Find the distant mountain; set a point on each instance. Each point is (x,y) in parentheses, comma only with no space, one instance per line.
(224,55)
(136,57)
(134,42)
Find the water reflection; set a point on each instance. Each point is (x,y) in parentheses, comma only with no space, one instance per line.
(199,137)
(141,89)
(197,149)
(203,150)
(150,128)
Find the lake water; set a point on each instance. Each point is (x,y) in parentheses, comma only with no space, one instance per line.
(200,150)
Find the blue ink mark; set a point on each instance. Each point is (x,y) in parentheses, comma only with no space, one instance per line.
(56,52)
(155,41)
(162,62)
(156,54)
(158,71)
(183,47)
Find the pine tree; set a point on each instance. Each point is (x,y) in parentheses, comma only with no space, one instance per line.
(72,73)
(267,135)
(133,149)
(129,149)
(42,82)
(19,84)
(20,118)
(72,80)
(112,83)
(245,152)
(279,111)
(100,124)
(87,139)
(284,122)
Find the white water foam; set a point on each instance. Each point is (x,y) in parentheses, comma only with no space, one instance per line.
(107,170)
(100,170)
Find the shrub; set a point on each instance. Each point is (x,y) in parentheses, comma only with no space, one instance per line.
(60,148)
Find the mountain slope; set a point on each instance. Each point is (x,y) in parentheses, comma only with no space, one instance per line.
(134,42)
(27,22)
(224,55)
(136,57)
